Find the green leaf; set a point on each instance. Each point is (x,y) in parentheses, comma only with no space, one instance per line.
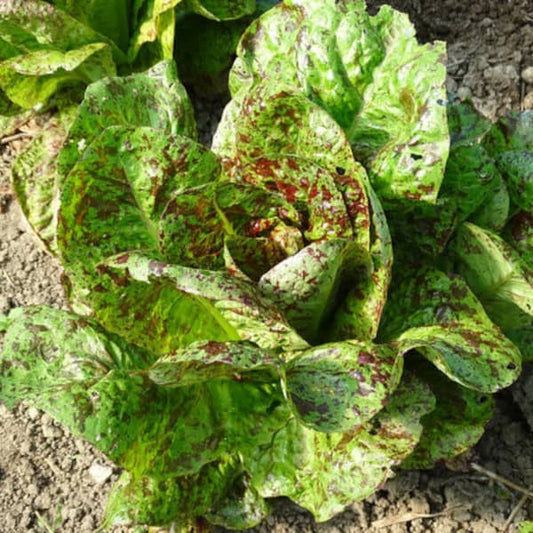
(340,386)
(438,316)
(206,361)
(44,49)
(154,98)
(517,170)
(359,315)
(154,28)
(34,176)
(493,214)
(467,126)
(519,234)
(324,472)
(511,133)
(114,196)
(222,9)
(318,276)
(499,277)
(238,302)
(456,424)
(341,59)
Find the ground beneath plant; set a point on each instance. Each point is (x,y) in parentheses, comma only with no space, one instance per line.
(52,481)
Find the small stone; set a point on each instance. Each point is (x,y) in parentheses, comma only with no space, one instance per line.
(52,432)
(33,413)
(100,473)
(527,75)
(463,93)
(43,501)
(501,74)
(527,103)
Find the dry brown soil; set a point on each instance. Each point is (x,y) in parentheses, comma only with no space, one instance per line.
(51,481)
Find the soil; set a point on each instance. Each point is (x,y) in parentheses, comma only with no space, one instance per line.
(51,481)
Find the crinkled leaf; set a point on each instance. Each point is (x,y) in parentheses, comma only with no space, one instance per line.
(456,424)
(341,58)
(34,176)
(340,386)
(154,98)
(272,122)
(439,316)
(205,361)
(497,274)
(324,472)
(308,286)
(238,302)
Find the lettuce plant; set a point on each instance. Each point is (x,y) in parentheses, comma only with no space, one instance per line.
(298,310)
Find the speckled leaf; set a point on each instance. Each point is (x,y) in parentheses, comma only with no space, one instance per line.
(34,177)
(467,126)
(272,122)
(456,424)
(237,302)
(47,50)
(359,315)
(341,58)
(220,492)
(493,214)
(324,472)
(97,385)
(154,98)
(222,9)
(340,386)
(517,169)
(439,316)
(308,286)
(497,274)
(206,361)
(190,231)
(114,196)
(513,132)
(519,234)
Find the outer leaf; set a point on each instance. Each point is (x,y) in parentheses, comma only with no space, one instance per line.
(456,424)
(253,316)
(40,58)
(517,169)
(113,198)
(154,98)
(347,58)
(448,325)
(96,384)
(308,286)
(324,472)
(511,133)
(467,126)
(340,386)
(493,214)
(498,276)
(206,361)
(34,176)
(31,79)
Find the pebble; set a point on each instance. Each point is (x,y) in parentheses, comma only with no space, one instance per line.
(100,473)
(501,74)
(528,101)
(32,413)
(52,432)
(463,93)
(527,75)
